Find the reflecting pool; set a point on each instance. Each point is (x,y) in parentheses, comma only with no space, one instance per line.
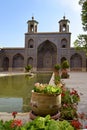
(15,91)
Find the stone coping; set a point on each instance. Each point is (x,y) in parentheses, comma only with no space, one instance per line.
(22,116)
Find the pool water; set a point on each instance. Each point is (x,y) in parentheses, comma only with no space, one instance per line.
(15,91)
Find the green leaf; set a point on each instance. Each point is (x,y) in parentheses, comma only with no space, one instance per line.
(22,128)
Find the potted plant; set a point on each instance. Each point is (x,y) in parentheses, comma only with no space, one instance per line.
(70,96)
(45,99)
(64,67)
(56,69)
(57,80)
(69,101)
(68,112)
(28,68)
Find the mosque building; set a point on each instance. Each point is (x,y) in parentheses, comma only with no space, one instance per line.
(43,50)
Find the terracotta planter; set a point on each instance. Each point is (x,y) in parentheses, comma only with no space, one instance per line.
(64,73)
(43,104)
(56,72)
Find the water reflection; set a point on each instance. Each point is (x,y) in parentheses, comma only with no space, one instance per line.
(15,91)
(9,104)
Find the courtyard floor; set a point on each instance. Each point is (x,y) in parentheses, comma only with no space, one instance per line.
(78,80)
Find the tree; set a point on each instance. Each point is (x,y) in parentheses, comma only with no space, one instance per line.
(83,3)
(81,41)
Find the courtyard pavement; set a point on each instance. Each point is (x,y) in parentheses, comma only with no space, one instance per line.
(77,80)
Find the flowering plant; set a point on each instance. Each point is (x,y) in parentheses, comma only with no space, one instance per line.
(68,112)
(83,119)
(76,124)
(40,123)
(14,114)
(70,99)
(16,123)
(11,125)
(70,96)
(74,96)
(47,89)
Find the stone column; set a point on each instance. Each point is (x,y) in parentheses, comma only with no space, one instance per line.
(84,64)
(10,63)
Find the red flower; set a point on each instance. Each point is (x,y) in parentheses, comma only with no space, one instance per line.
(14,114)
(76,124)
(16,123)
(63,94)
(82,116)
(73,92)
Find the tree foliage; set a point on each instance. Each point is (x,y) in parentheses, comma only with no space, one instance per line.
(81,41)
(83,3)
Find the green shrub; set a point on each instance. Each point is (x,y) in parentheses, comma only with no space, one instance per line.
(65,64)
(57,67)
(28,68)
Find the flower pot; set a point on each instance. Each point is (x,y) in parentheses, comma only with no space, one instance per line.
(44,104)
(64,73)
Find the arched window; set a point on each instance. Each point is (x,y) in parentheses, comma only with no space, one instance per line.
(31,27)
(64,43)
(64,27)
(30,61)
(30,43)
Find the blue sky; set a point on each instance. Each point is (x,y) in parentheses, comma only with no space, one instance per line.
(14,15)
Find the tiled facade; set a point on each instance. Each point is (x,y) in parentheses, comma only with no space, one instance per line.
(43,50)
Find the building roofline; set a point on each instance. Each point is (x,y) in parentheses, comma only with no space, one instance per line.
(10,48)
(48,33)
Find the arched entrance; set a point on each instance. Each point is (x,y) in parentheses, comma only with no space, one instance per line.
(30,61)
(63,59)
(86,64)
(46,56)
(6,64)
(18,61)
(76,62)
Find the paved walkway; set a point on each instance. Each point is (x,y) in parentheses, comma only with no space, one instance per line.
(78,80)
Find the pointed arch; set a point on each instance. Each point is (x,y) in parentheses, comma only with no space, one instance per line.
(18,61)
(63,59)
(31,43)
(30,61)
(64,27)
(76,62)
(46,55)
(5,63)
(64,43)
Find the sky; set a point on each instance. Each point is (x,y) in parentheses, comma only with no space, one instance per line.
(14,15)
